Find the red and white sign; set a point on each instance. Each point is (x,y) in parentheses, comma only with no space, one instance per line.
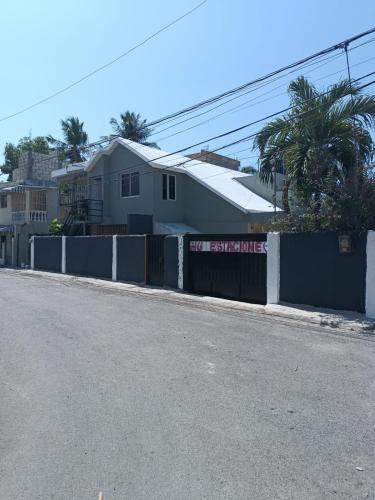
(229,246)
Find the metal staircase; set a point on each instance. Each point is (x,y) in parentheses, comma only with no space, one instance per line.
(82,212)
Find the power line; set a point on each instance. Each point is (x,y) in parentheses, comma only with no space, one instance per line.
(228,133)
(104,66)
(244,86)
(241,95)
(243,106)
(328,50)
(225,134)
(231,131)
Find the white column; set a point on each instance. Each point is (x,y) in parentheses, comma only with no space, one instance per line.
(32,252)
(28,205)
(63,254)
(180,261)
(273,268)
(370,275)
(114,257)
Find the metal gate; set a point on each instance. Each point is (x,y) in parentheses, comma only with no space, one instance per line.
(229,266)
(155,259)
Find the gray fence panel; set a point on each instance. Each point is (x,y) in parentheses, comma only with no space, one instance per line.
(89,256)
(131,258)
(47,253)
(314,272)
(171,261)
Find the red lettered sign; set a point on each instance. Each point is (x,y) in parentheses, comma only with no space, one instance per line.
(229,246)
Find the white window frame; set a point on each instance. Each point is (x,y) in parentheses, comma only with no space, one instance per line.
(175,187)
(130,185)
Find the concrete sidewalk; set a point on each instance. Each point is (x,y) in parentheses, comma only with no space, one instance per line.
(345,321)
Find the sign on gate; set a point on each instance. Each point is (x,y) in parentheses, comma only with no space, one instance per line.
(229,246)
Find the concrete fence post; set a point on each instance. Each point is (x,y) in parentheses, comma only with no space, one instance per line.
(180,262)
(273,268)
(32,252)
(114,257)
(63,254)
(370,275)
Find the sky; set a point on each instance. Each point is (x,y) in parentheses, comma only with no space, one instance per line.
(48,44)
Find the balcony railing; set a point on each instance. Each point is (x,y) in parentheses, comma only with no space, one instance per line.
(29,216)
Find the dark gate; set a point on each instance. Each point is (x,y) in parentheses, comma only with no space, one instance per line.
(229,266)
(155,259)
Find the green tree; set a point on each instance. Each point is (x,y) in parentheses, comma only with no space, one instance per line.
(12,153)
(323,142)
(131,126)
(249,170)
(75,140)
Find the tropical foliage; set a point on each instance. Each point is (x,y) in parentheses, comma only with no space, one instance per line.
(325,147)
(12,152)
(75,140)
(131,126)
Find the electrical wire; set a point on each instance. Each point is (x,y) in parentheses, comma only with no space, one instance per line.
(104,66)
(150,162)
(225,134)
(244,86)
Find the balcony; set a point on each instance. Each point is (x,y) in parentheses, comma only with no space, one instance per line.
(21,217)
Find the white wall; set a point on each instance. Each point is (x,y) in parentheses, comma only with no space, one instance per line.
(273,268)
(370,275)
(5,213)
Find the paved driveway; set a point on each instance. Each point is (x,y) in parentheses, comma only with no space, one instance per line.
(144,398)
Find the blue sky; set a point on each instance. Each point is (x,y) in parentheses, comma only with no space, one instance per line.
(48,44)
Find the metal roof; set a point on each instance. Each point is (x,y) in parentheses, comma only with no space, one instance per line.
(220,180)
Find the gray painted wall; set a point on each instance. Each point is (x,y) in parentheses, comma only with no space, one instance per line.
(195,205)
(149,201)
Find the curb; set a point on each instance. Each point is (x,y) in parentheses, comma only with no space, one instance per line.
(345,321)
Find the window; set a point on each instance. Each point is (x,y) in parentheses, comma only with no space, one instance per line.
(3,201)
(19,202)
(169,187)
(130,184)
(38,200)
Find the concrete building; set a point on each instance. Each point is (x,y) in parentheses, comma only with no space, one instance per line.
(216,159)
(27,206)
(132,188)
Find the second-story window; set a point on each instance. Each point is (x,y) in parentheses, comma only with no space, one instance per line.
(130,184)
(169,187)
(3,201)
(38,200)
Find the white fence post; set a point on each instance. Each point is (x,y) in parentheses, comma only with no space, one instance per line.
(370,275)
(114,257)
(63,254)
(273,268)
(32,252)
(180,261)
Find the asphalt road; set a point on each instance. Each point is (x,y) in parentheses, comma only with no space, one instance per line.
(144,398)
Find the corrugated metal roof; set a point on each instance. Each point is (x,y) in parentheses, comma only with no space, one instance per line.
(222,181)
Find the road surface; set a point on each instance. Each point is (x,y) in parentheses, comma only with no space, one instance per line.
(143,398)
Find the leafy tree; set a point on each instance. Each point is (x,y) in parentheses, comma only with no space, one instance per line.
(131,126)
(249,170)
(39,144)
(324,144)
(12,153)
(55,227)
(75,140)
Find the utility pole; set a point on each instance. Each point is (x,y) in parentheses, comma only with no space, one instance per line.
(273,163)
(356,142)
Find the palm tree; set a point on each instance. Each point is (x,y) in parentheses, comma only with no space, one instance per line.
(323,142)
(75,139)
(131,126)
